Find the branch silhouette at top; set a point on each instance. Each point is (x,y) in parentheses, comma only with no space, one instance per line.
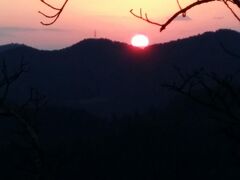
(183,11)
(53,17)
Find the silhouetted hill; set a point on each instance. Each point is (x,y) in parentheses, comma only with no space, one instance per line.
(178,139)
(106,76)
(9,47)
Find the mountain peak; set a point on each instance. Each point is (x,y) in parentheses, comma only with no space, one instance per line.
(93,42)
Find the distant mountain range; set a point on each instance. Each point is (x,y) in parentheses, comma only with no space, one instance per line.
(105,76)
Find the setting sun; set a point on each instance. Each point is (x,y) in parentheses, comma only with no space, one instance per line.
(140,40)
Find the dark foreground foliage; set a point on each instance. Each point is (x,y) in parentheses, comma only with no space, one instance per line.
(174,144)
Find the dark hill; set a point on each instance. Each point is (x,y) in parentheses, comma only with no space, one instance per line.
(9,47)
(179,141)
(106,76)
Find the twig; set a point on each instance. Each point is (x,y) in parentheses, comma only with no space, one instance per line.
(183,11)
(54,17)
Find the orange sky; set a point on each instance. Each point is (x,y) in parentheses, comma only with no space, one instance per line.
(19,21)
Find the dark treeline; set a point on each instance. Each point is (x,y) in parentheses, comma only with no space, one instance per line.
(172,144)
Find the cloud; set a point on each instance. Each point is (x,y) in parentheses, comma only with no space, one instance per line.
(218,17)
(181,18)
(11,30)
(5,34)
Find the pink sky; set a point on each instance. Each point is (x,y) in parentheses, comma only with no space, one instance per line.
(20,22)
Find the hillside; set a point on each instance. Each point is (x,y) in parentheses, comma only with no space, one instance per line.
(9,47)
(106,76)
(108,117)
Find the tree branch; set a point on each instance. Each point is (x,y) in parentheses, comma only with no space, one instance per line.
(53,17)
(232,11)
(8,111)
(223,102)
(183,11)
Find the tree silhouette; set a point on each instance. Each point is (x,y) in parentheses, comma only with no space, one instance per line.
(183,11)
(17,112)
(219,95)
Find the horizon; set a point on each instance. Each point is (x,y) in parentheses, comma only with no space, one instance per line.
(86,96)
(80,20)
(127,43)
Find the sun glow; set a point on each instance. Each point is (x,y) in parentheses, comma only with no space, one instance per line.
(140,40)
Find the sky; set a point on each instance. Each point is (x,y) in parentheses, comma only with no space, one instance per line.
(20,21)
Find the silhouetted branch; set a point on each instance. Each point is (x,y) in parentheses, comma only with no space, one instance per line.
(145,18)
(36,101)
(222,96)
(53,17)
(230,52)
(184,10)
(31,133)
(232,11)
(180,7)
(8,79)
(226,84)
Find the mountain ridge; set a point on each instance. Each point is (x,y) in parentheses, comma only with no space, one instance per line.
(108,41)
(107,76)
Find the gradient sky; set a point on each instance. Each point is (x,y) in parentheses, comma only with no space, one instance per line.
(20,22)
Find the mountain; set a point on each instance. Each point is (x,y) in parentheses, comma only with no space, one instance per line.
(9,47)
(103,76)
(164,136)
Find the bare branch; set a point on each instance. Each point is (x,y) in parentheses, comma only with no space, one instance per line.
(230,52)
(8,111)
(235,15)
(49,5)
(34,139)
(226,85)
(7,79)
(184,10)
(144,19)
(53,17)
(222,96)
(180,7)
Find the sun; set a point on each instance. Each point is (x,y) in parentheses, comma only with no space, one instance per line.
(140,40)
